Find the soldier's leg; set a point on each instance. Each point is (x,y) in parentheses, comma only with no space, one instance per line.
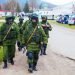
(11,53)
(44,50)
(35,60)
(5,55)
(30,61)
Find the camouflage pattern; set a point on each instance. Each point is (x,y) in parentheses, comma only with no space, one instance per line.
(33,46)
(10,40)
(47,27)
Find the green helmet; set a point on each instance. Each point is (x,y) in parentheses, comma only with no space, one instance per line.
(44,17)
(34,16)
(10,18)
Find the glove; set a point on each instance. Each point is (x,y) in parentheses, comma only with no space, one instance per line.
(1,43)
(50,29)
(18,43)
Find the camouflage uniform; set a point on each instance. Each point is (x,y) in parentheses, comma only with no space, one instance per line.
(9,41)
(47,27)
(19,42)
(26,23)
(33,46)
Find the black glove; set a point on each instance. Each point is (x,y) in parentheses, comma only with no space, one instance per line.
(1,43)
(18,43)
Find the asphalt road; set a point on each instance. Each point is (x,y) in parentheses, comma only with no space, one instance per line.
(51,64)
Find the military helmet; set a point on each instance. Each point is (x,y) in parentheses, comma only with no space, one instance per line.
(34,16)
(10,18)
(44,17)
(21,19)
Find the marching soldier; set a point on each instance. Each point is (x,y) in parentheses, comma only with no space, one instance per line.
(8,34)
(33,37)
(19,42)
(47,27)
(26,22)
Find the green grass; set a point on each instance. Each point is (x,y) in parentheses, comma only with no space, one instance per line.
(1,23)
(1,53)
(2,18)
(64,25)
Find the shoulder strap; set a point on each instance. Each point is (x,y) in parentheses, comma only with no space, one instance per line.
(31,34)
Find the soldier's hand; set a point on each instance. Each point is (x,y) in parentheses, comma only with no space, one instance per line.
(41,43)
(18,43)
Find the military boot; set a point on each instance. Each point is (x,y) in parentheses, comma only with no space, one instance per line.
(34,66)
(19,49)
(41,53)
(30,68)
(44,53)
(5,65)
(12,61)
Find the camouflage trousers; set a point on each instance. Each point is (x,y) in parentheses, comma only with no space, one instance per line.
(8,52)
(32,58)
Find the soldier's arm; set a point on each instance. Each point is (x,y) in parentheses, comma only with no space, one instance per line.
(24,25)
(50,27)
(17,30)
(44,37)
(25,36)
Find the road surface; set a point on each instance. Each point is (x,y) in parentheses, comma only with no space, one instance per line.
(62,41)
(51,64)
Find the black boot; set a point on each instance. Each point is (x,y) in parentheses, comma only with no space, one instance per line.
(19,49)
(12,61)
(34,66)
(30,68)
(41,52)
(44,53)
(5,65)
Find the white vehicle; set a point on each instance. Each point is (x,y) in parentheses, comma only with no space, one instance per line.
(71,19)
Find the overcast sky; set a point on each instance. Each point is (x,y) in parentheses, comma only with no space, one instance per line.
(59,2)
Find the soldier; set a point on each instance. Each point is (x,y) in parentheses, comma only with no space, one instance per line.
(33,37)
(19,42)
(26,22)
(46,26)
(8,34)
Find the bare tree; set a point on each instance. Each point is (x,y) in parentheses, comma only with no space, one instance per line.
(33,4)
(18,8)
(11,5)
(0,7)
(26,7)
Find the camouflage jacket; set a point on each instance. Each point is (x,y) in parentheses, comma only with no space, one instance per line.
(38,37)
(47,27)
(12,35)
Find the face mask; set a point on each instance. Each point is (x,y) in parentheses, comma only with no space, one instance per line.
(34,21)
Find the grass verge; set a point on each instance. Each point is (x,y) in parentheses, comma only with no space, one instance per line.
(64,25)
